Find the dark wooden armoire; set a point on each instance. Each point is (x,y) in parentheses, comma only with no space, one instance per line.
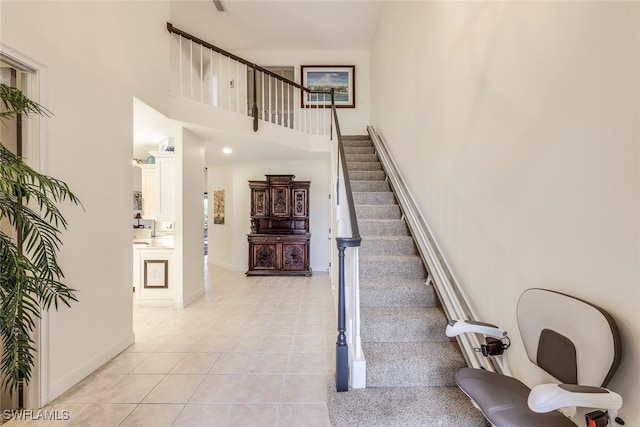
(279,239)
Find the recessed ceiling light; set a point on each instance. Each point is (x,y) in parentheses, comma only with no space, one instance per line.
(226,150)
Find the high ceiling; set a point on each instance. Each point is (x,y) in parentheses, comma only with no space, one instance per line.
(280,25)
(259,25)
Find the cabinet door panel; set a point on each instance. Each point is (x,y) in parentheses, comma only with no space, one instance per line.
(260,203)
(264,256)
(299,203)
(280,202)
(294,256)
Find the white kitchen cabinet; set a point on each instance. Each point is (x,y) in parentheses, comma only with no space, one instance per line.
(153,280)
(148,190)
(165,186)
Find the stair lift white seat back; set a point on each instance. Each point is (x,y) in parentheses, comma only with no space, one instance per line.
(574,341)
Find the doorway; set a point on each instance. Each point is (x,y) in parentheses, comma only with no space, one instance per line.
(22,137)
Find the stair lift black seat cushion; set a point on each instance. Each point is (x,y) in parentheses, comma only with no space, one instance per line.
(506,404)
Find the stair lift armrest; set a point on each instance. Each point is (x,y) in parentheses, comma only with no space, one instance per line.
(457,327)
(551,397)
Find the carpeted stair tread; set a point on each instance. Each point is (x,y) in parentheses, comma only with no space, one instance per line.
(364,166)
(373,198)
(348,138)
(402,324)
(402,407)
(370,186)
(386,211)
(397,293)
(413,364)
(359,150)
(383,227)
(391,267)
(377,175)
(385,245)
(351,158)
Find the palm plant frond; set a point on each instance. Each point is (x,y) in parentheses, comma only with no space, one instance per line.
(30,277)
(16,102)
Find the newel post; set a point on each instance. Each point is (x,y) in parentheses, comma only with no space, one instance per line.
(342,351)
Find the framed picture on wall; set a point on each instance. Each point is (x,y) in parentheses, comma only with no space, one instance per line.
(156,273)
(218,207)
(340,78)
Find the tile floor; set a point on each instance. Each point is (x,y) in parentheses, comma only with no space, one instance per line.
(251,352)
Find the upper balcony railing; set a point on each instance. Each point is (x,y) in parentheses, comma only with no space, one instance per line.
(205,73)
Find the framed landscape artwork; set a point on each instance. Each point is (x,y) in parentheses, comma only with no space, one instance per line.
(341,78)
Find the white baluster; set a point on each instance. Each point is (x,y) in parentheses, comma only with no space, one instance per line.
(237,87)
(262,110)
(191,70)
(180,65)
(270,114)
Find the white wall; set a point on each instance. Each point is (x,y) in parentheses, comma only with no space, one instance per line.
(228,244)
(190,182)
(98,56)
(515,125)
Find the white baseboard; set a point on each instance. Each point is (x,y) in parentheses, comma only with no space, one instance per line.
(186,302)
(58,387)
(227,266)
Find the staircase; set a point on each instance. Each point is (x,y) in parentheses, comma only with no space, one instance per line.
(410,362)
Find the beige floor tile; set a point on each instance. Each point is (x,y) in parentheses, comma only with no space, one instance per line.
(251,351)
(195,363)
(211,344)
(308,363)
(311,328)
(266,363)
(233,363)
(305,388)
(123,363)
(244,343)
(277,343)
(174,389)
(158,363)
(89,389)
(312,343)
(263,388)
(258,415)
(99,415)
(217,388)
(304,414)
(202,415)
(143,348)
(153,415)
(130,389)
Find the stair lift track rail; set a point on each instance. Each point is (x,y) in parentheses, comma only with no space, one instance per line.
(440,275)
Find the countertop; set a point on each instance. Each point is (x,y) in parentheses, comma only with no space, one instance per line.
(153,243)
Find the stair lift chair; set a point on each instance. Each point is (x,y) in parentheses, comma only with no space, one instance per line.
(574,341)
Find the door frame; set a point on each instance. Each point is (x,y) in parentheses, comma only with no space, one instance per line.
(35,153)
